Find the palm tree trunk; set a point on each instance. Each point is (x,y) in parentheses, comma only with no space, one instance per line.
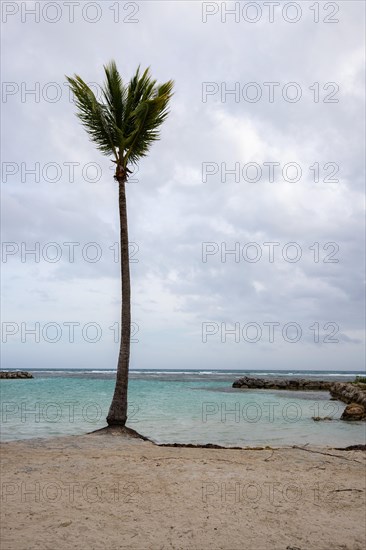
(117,414)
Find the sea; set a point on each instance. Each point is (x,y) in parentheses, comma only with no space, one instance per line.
(179,406)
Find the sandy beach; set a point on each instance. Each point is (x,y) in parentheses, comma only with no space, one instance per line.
(110,492)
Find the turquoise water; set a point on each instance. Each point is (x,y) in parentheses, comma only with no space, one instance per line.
(173,408)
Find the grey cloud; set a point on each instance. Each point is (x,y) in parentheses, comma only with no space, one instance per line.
(171,210)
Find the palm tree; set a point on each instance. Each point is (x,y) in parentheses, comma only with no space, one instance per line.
(123,125)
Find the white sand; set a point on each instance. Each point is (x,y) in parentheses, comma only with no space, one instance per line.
(113,492)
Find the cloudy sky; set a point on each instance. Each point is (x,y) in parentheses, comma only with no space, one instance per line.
(262,155)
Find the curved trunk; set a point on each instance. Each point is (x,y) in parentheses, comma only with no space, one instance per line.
(117,414)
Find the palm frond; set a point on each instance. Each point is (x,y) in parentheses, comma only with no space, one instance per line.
(128,119)
(139,89)
(114,93)
(94,116)
(146,120)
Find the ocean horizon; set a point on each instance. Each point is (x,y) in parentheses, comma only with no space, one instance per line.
(305,373)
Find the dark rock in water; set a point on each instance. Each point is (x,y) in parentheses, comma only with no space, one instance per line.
(11,375)
(281,384)
(355,394)
(319,418)
(352,448)
(354,411)
(349,393)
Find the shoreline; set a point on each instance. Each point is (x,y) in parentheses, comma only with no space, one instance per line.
(133,434)
(128,492)
(354,447)
(176,445)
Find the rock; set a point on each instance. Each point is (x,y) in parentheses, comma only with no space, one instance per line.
(65,523)
(354,411)
(352,448)
(353,393)
(15,374)
(349,393)
(318,418)
(281,384)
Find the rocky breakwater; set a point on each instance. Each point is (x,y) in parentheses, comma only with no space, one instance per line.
(281,384)
(15,374)
(354,395)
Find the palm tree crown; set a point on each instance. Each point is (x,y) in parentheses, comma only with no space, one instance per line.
(127,120)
